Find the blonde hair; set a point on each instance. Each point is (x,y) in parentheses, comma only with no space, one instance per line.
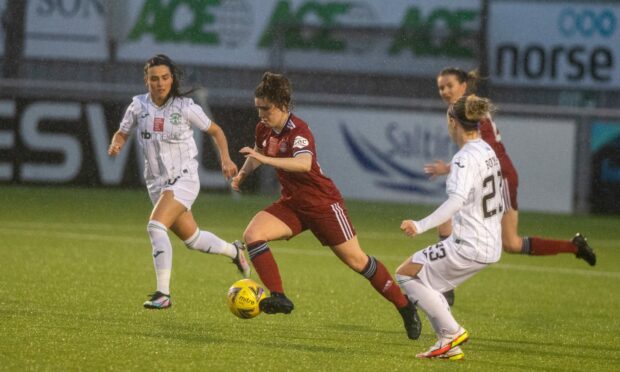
(470,109)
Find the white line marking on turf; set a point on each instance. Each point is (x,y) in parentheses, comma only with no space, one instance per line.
(41,230)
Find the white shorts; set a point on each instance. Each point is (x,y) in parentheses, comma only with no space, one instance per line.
(185,188)
(443,268)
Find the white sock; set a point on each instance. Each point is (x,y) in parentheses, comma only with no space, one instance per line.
(432,302)
(162,254)
(207,242)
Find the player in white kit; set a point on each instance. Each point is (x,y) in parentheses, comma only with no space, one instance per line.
(475,204)
(163,119)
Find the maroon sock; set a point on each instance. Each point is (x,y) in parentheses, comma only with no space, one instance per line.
(265,265)
(546,247)
(383,282)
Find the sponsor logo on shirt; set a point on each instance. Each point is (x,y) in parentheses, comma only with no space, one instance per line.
(300,142)
(158,125)
(175,118)
(283,146)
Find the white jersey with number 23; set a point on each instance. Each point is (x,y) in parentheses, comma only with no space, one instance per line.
(475,177)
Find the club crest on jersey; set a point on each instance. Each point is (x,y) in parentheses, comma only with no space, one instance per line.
(175,118)
(158,125)
(300,142)
(283,147)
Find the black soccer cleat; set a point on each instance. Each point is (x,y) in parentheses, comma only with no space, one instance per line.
(583,249)
(449,295)
(276,303)
(412,322)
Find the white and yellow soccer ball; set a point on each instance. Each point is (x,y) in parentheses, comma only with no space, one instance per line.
(243,298)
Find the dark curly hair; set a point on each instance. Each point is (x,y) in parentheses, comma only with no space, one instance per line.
(277,89)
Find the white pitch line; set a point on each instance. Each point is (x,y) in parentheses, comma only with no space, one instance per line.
(24,229)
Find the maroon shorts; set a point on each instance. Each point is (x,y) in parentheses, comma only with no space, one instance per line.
(330,223)
(511,183)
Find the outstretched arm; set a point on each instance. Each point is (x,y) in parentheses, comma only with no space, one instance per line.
(442,214)
(299,163)
(229,168)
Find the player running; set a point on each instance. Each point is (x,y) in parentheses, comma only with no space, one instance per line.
(309,201)
(475,205)
(163,118)
(453,83)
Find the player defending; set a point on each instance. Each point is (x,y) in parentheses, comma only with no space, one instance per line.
(309,201)
(164,118)
(474,188)
(452,84)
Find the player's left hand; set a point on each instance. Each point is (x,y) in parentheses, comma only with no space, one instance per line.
(408,227)
(249,152)
(229,168)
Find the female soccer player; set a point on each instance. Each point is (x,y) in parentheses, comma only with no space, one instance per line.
(475,205)
(453,83)
(163,119)
(309,200)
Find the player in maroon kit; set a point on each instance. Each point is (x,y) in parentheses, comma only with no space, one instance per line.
(309,201)
(453,83)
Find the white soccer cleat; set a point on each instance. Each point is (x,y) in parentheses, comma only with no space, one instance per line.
(446,344)
(240,261)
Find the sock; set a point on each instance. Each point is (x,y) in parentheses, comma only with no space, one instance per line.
(207,242)
(432,303)
(382,282)
(546,247)
(162,254)
(265,265)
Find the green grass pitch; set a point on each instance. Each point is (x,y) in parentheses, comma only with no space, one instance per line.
(75,267)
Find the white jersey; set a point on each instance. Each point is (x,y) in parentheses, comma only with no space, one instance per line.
(165,134)
(475,177)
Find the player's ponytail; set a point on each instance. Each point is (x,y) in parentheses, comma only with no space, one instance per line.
(469,110)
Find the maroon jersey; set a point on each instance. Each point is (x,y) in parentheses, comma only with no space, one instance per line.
(304,189)
(490,135)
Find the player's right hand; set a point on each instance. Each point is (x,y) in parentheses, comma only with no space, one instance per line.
(408,227)
(436,168)
(114,149)
(235,184)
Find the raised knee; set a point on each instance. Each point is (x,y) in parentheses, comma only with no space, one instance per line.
(155,226)
(251,235)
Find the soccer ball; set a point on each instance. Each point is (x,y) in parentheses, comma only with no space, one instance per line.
(243,298)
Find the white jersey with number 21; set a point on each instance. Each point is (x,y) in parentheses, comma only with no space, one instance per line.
(475,177)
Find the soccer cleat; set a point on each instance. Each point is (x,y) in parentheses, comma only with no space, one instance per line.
(276,303)
(449,295)
(158,301)
(412,322)
(443,347)
(242,263)
(453,354)
(583,249)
